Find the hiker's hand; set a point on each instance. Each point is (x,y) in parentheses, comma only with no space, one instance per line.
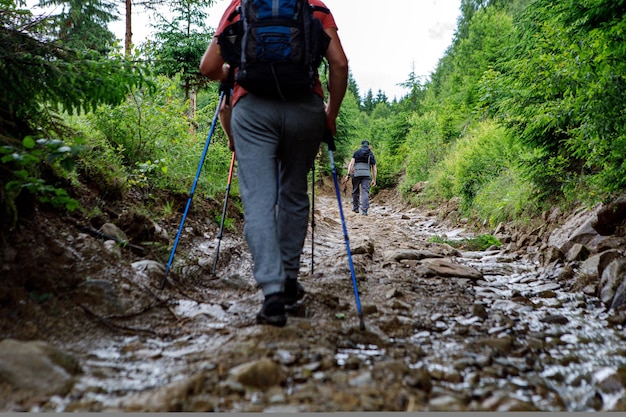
(225,74)
(331,125)
(373,183)
(224,116)
(225,87)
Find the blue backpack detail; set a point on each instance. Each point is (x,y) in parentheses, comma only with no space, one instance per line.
(277,46)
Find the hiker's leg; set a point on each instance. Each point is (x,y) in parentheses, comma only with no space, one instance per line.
(256,133)
(304,122)
(365,193)
(355,193)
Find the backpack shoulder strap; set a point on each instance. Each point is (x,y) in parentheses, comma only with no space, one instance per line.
(234,13)
(230,39)
(320,9)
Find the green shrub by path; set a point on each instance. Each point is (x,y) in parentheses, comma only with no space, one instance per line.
(485,153)
(387,132)
(23,168)
(423,148)
(560,86)
(505,197)
(148,141)
(477,243)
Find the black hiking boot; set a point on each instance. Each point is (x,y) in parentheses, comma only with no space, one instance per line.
(273,311)
(294,292)
(356,210)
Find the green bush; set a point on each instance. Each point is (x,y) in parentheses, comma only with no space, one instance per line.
(477,243)
(25,163)
(384,135)
(423,148)
(505,197)
(481,156)
(150,141)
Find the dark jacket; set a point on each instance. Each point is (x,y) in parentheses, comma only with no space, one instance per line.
(363,159)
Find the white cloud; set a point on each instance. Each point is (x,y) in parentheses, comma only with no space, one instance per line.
(386,40)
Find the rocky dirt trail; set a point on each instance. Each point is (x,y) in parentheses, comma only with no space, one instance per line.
(445,329)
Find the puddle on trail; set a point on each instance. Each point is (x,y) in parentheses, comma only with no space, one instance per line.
(135,364)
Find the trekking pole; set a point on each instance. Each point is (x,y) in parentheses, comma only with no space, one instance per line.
(193,189)
(220,234)
(312,218)
(331,145)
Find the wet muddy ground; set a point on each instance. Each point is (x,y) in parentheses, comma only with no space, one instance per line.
(445,330)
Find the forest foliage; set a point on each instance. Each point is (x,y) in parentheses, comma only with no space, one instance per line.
(524,111)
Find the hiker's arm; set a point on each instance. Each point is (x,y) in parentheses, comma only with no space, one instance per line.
(212,64)
(374,175)
(337,77)
(351,167)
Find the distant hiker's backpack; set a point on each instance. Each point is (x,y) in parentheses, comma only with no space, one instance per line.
(362,162)
(277,46)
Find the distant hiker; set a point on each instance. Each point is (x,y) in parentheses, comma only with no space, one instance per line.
(278,122)
(362,168)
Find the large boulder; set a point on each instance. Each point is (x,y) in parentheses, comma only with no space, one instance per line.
(578,228)
(594,266)
(610,217)
(612,278)
(447,268)
(35,370)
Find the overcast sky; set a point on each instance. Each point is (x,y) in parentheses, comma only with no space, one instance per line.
(383,39)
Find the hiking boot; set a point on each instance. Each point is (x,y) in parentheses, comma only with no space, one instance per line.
(294,292)
(356,210)
(364,212)
(273,311)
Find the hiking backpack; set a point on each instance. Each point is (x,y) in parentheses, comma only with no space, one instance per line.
(362,162)
(276,46)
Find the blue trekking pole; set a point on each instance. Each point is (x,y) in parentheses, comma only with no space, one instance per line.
(331,146)
(193,189)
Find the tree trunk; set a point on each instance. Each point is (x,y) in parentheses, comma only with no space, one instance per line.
(128,41)
(192,111)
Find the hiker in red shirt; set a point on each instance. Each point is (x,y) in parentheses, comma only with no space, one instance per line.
(278,135)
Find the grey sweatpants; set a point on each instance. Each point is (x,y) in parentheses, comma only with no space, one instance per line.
(361,191)
(276,139)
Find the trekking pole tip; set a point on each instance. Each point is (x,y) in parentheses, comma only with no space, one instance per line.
(362,322)
(163,281)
